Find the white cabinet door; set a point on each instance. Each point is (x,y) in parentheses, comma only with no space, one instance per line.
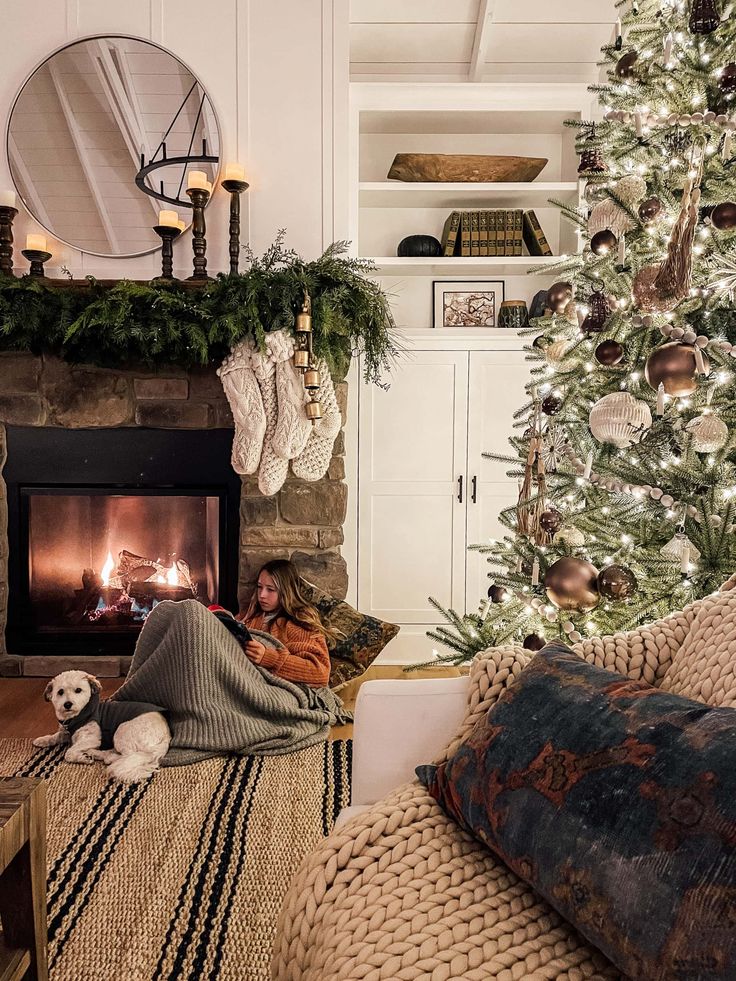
(411,522)
(496,391)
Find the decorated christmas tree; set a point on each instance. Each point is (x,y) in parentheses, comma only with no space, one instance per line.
(625,451)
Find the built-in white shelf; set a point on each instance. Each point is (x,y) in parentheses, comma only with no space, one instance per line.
(461,265)
(400,194)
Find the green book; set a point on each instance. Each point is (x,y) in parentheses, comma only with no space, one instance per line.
(492,233)
(450,233)
(534,238)
(483,217)
(509,250)
(465,233)
(474,233)
(518,231)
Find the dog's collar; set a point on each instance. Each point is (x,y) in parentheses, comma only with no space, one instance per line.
(90,713)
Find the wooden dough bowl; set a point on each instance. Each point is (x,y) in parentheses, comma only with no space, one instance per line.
(464,167)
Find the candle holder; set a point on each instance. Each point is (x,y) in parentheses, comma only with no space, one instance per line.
(167,234)
(235,189)
(199,198)
(36,258)
(7,214)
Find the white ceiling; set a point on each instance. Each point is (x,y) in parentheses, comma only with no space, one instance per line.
(478,40)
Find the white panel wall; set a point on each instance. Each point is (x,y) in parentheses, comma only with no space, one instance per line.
(277,74)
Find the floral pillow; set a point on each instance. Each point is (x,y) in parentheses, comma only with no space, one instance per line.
(360,638)
(616,801)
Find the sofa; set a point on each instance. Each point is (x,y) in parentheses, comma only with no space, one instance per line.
(398,891)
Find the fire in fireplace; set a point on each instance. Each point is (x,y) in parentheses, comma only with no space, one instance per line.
(105,559)
(104,525)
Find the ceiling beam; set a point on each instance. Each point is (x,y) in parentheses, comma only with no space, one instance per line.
(481,40)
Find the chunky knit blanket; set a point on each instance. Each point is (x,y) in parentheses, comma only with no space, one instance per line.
(217,701)
(402,892)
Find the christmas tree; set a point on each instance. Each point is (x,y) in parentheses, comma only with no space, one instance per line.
(625,451)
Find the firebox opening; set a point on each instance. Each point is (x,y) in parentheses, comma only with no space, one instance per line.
(101,560)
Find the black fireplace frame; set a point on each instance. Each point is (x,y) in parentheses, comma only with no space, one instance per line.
(138,462)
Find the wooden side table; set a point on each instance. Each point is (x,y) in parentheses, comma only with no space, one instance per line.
(23,880)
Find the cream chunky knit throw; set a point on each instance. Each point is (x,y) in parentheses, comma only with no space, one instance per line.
(217,700)
(400,892)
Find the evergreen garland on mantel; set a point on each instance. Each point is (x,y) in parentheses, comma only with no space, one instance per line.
(160,324)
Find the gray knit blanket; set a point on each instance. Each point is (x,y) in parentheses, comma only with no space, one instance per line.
(217,700)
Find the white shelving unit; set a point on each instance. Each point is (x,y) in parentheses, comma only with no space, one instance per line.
(525,120)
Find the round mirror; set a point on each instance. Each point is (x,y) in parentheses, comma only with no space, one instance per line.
(100,139)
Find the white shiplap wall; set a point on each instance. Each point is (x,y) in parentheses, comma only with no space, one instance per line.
(277,74)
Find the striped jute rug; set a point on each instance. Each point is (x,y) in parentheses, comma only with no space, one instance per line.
(182,877)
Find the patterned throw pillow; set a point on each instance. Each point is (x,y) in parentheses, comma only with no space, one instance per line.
(617,802)
(360,638)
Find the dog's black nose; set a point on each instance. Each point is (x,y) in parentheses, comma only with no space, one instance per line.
(67,705)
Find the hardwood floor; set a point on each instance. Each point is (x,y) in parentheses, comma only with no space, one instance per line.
(24,713)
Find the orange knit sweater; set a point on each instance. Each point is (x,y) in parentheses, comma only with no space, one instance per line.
(306,658)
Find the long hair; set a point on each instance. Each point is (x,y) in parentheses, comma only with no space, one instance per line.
(293,604)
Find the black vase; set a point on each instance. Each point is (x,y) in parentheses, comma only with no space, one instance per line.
(419,246)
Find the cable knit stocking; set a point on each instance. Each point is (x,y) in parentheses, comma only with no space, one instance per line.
(293,428)
(273,469)
(313,461)
(243,394)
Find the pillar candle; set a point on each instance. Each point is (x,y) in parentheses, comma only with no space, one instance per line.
(588,465)
(197,178)
(169,218)
(7,199)
(660,399)
(699,363)
(622,250)
(535,572)
(667,50)
(36,242)
(726,151)
(181,225)
(234,172)
(637,121)
(685,558)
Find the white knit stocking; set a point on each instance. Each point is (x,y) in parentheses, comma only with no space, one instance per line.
(293,428)
(273,469)
(313,461)
(243,394)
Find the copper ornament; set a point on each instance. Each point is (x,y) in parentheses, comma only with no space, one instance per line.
(727,81)
(497,594)
(650,210)
(673,365)
(625,66)
(551,520)
(723,216)
(551,404)
(603,243)
(617,582)
(533,642)
(646,294)
(558,296)
(609,353)
(572,584)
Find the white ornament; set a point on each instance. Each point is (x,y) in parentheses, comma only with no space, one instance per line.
(619,419)
(709,433)
(607,214)
(556,351)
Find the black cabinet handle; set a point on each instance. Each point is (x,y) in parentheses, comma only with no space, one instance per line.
(460,489)
(474,490)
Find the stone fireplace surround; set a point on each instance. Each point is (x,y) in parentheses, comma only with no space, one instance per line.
(304,521)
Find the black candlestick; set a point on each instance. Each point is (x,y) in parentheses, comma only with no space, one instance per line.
(167,234)
(235,189)
(36,258)
(6,239)
(199,198)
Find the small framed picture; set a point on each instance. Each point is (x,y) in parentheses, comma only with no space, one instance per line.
(467,303)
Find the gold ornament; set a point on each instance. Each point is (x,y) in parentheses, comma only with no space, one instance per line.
(313,410)
(619,419)
(675,366)
(312,379)
(572,584)
(556,351)
(709,433)
(570,536)
(301,359)
(303,323)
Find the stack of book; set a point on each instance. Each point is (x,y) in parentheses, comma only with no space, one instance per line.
(493,233)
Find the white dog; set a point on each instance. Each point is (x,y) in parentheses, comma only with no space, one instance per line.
(130,737)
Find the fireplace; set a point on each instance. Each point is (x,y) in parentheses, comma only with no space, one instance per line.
(105,524)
